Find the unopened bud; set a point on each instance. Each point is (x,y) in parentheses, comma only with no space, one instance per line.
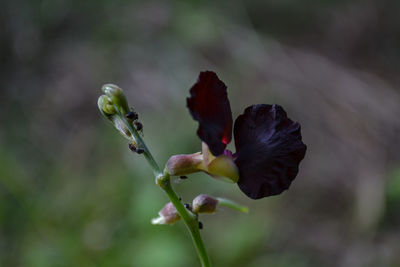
(108,110)
(105,105)
(204,204)
(179,165)
(168,215)
(117,97)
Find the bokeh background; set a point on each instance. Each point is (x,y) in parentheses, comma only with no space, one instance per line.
(71,192)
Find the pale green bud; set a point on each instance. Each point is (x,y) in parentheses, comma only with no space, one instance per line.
(117,97)
(105,105)
(108,110)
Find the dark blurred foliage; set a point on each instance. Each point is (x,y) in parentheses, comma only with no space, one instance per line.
(72,194)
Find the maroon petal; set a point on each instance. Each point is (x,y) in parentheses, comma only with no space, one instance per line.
(268,149)
(209,105)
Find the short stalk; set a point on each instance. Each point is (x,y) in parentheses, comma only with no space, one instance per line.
(233,205)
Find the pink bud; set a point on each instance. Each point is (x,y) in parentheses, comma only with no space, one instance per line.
(168,215)
(179,165)
(204,204)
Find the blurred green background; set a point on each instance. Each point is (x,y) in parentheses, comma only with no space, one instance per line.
(71,192)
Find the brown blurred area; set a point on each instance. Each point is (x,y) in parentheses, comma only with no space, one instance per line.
(71,193)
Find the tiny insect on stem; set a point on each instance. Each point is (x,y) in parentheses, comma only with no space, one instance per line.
(132,115)
(187,206)
(138,126)
(139,150)
(132,147)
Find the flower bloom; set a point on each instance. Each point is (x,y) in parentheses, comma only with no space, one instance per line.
(268,144)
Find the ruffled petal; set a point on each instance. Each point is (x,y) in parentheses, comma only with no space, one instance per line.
(209,105)
(268,149)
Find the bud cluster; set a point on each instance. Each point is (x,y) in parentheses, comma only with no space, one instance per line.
(201,204)
(114,106)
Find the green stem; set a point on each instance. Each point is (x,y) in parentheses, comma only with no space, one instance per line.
(163,180)
(189,219)
(233,205)
(142,144)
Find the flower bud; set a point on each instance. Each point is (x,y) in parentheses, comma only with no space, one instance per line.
(204,204)
(179,165)
(117,97)
(168,215)
(105,105)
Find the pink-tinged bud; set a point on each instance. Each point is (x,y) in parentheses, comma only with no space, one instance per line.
(179,165)
(204,204)
(222,167)
(168,215)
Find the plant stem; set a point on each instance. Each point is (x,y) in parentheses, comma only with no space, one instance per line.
(163,180)
(189,219)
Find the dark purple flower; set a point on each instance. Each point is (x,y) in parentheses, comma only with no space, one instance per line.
(209,105)
(268,144)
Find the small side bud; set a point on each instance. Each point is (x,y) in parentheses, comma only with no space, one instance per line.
(117,97)
(204,204)
(168,215)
